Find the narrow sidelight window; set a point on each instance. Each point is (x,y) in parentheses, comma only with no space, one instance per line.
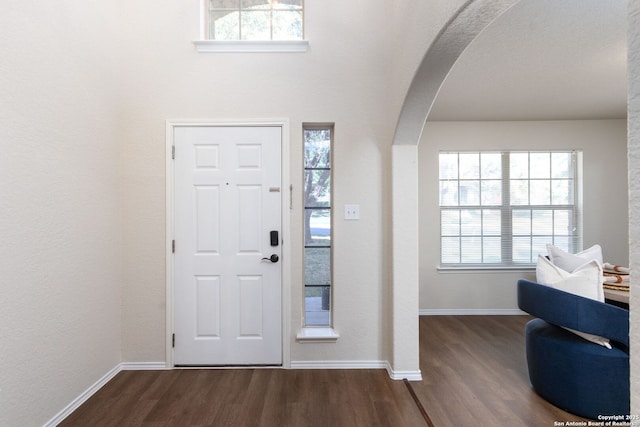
(318,141)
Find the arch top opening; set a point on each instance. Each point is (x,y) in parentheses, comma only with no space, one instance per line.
(470,20)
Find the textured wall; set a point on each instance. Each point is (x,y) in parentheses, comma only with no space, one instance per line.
(634,194)
(82,113)
(60,216)
(405,272)
(604,185)
(343,78)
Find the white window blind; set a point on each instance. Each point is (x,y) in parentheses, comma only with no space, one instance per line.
(500,209)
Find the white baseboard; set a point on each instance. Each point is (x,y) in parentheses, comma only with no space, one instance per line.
(358,364)
(471,312)
(75,404)
(338,364)
(143,366)
(401,375)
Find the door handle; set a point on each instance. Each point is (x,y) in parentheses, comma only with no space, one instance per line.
(273,258)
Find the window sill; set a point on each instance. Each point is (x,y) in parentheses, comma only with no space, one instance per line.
(317,335)
(246,46)
(485,269)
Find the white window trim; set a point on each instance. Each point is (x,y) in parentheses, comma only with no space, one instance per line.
(205,45)
(286,224)
(325,333)
(317,335)
(250,46)
(489,268)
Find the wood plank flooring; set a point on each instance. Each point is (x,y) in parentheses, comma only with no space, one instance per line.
(474,372)
(249,397)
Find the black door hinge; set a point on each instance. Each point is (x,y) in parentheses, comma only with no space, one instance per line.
(173,341)
(173,152)
(173,246)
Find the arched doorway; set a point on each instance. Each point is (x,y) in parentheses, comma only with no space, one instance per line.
(434,69)
(473,17)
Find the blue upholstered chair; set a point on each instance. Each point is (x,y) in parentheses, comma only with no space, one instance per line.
(574,374)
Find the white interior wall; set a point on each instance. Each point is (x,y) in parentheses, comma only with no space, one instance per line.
(60,216)
(342,78)
(70,125)
(415,24)
(605,209)
(86,89)
(634,194)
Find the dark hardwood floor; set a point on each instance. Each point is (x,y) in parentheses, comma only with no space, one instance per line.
(474,372)
(249,397)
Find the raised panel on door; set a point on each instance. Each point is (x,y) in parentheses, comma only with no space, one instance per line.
(208,296)
(250,314)
(249,218)
(207,221)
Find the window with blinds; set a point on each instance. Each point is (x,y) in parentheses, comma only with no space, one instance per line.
(501,209)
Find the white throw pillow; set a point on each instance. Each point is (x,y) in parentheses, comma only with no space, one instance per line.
(569,262)
(585,281)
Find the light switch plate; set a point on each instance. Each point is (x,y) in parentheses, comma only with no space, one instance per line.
(351,212)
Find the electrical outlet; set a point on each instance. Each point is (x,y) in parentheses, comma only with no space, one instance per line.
(352,212)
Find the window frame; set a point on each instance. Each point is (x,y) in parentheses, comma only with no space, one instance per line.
(207,45)
(330,208)
(574,241)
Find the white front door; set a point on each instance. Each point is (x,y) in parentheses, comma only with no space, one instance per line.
(227,275)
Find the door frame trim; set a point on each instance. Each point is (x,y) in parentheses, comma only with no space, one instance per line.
(283,124)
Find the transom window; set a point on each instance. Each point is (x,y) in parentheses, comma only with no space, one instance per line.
(230,20)
(317,224)
(500,209)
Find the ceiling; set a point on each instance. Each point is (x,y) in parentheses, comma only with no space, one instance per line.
(543,60)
